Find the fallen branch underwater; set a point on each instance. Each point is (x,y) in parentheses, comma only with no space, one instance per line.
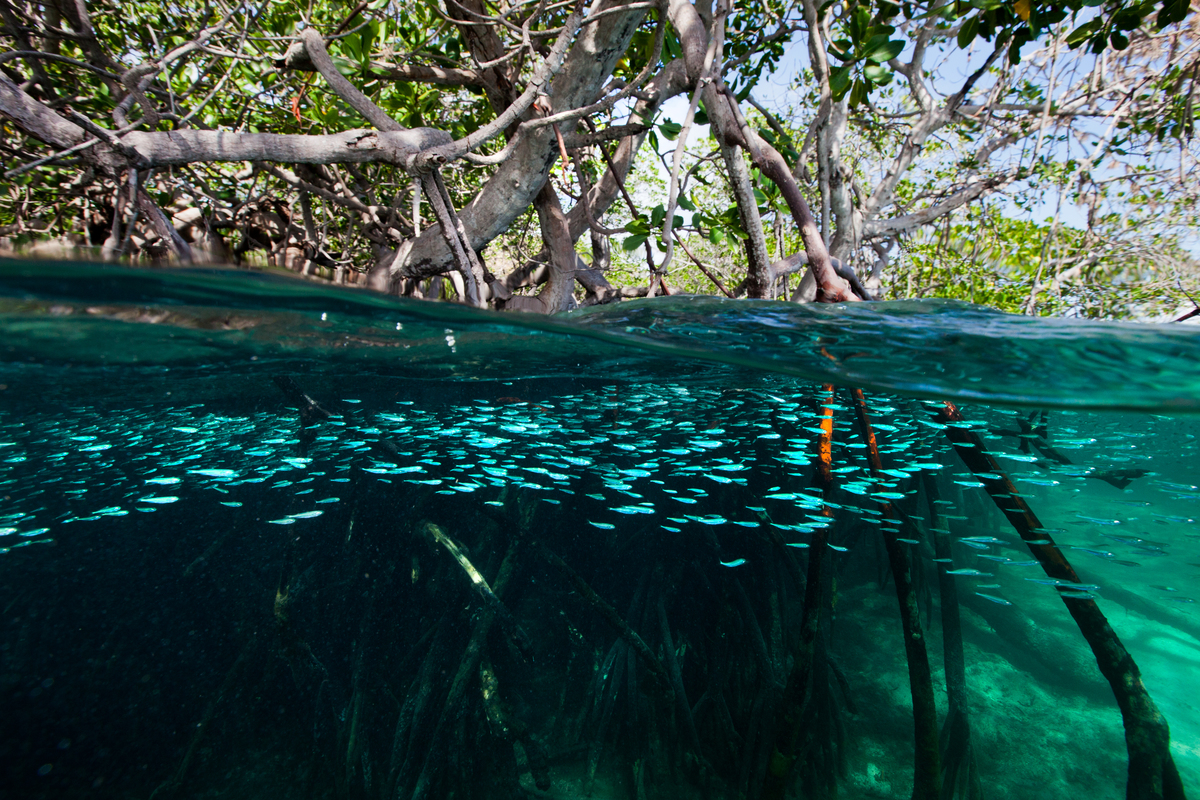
(507,621)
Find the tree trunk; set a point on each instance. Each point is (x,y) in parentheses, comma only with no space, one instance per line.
(555,295)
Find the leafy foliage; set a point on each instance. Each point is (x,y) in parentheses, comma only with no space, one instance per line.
(1026,267)
(337,220)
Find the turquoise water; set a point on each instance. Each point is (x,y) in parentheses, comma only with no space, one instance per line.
(242,514)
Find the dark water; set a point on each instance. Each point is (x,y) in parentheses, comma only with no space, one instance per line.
(241,514)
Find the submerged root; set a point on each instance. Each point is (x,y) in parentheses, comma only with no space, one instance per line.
(711,681)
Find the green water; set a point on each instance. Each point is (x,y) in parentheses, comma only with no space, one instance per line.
(218,577)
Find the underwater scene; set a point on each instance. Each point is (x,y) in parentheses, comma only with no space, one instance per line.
(265,538)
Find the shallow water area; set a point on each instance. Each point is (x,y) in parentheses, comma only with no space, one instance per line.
(263,537)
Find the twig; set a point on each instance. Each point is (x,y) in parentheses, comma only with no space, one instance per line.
(1195,311)
(681,145)
(716,280)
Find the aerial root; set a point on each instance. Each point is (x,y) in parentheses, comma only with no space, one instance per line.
(1152,771)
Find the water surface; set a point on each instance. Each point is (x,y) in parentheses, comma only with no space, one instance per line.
(217,574)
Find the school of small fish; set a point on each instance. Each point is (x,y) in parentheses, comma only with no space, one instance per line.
(660,456)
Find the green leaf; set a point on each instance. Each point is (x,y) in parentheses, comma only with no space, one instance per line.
(880,48)
(858,95)
(671,43)
(839,81)
(634,242)
(860,24)
(345,66)
(878,74)
(1083,33)
(966,34)
(1118,40)
(840,49)
(731,223)
(887,10)
(1172,11)
(1014,51)
(887,51)
(368,40)
(1127,19)
(701,117)
(377,5)
(686,204)
(638,226)
(716,236)
(657,215)
(670,129)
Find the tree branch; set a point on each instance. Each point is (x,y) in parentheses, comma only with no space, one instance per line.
(296,58)
(314,45)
